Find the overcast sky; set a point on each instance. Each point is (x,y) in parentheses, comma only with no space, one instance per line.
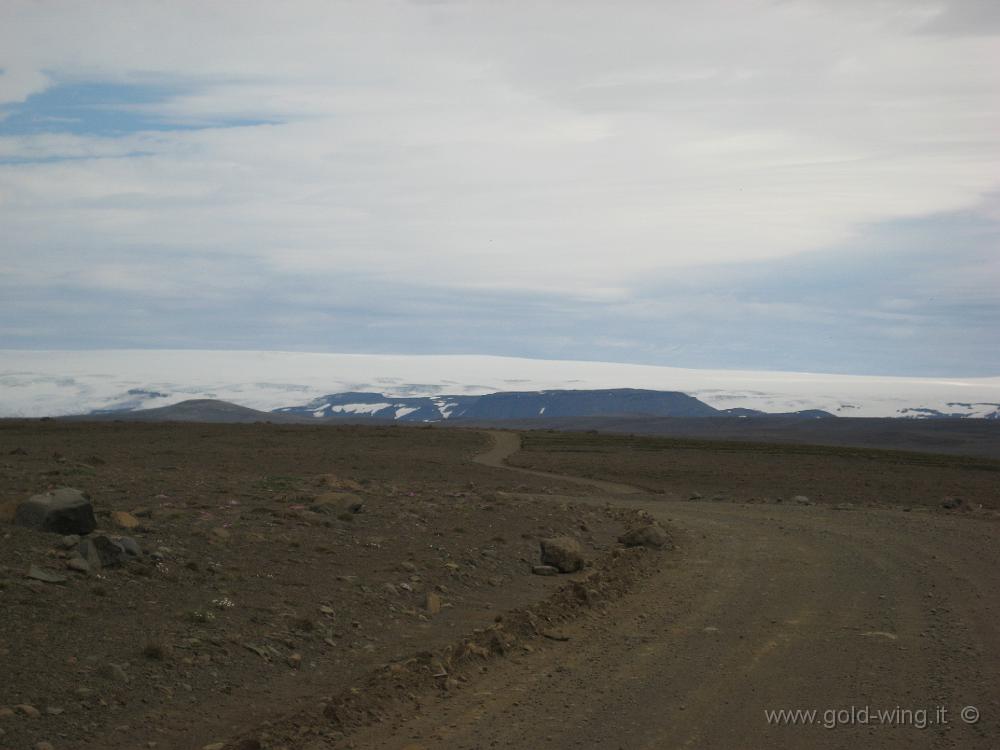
(772,185)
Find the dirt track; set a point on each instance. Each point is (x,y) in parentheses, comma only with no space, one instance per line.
(761,608)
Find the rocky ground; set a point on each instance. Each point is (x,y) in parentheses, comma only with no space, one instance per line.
(278,567)
(767,473)
(328,588)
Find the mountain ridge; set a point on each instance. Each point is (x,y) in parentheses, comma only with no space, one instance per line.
(516,405)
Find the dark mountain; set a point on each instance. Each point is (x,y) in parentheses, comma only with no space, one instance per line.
(614,402)
(363,406)
(508,405)
(360,405)
(194,410)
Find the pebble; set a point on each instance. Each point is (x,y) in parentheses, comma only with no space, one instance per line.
(433,603)
(28,710)
(124,520)
(78,564)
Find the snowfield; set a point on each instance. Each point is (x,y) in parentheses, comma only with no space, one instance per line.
(53,383)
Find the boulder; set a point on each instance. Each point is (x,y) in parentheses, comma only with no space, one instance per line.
(563,553)
(651,535)
(63,511)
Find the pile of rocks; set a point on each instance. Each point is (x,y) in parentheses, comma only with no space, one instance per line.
(563,554)
(69,512)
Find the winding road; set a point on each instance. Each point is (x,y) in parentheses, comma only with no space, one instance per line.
(884,624)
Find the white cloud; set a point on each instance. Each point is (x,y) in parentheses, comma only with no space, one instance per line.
(570,147)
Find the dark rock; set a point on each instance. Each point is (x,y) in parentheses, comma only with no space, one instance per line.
(650,535)
(64,511)
(129,546)
(42,574)
(562,552)
(78,564)
(101,552)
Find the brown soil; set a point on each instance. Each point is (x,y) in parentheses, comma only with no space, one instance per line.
(763,472)
(259,605)
(761,606)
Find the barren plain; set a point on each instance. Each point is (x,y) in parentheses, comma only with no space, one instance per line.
(266,613)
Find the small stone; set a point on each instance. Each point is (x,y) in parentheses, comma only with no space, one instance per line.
(44,746)
(28,710)
(408,567)
(295,661)
(124,520)
(563,553)
(42,574)
(78,564)
(6,713)
(220,533)
(101,552)
(801,500)
(651,535)
(69,541)
(215,746)
(432,603)
(129,546)
(545,570)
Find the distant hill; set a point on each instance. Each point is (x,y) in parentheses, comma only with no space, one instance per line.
(506,405)
(193,410)
(361,406)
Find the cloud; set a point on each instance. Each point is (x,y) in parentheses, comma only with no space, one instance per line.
(480,151)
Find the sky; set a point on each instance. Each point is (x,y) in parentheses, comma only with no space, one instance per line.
(805,186)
